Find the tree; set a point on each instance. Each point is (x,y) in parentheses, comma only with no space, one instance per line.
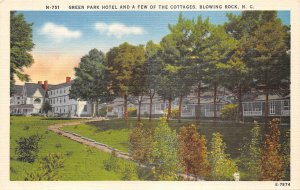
(164,152)
(272,158)
(192,151)
(153,67)
(21,45)
(244,66)
(121,62)
(46,107)
(217,56)
(91,82)
(140,141)
(251,154)
(222,167)
(269,62)
(177,54)
(197,65)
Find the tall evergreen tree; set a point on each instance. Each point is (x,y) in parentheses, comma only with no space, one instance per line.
(217,56)
(21,45)
(153,67)
(197,65)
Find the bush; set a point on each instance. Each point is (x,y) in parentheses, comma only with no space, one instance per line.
(104,109)
(48,168)
(129,172)
(229,112)
(222,167)
(174,112)
(27,148)
(140,140)
(57,145)
(112,163)
(250,154)
(132,112)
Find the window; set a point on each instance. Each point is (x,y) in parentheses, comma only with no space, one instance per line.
(85,108)
(18,98)
(37,101)
(286,105)
(272,107)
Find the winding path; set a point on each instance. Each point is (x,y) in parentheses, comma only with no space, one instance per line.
(103,147)
(84,140)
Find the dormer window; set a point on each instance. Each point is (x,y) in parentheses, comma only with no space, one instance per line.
(37,101)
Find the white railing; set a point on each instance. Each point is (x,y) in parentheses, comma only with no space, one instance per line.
(211,114)
(252,113)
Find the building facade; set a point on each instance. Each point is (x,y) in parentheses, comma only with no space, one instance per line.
(28,99)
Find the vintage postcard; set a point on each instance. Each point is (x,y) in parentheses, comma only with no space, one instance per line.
(153,95)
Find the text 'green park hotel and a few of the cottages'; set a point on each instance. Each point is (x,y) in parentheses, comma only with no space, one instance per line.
(28,99)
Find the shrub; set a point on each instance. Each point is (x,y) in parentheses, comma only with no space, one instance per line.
(174,112)
(129,172)
(250,154)
(192,151)
(272,158)
(57,145)
(222,167)
(229,112)
(27,148)
(48,168)
(132,112)
(112,163)
(104,109)
(164,152)
(140,140)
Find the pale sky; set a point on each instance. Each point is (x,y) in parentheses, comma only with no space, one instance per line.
(61,38)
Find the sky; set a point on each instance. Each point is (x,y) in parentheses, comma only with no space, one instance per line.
(61,38)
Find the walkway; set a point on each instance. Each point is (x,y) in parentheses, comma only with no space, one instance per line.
(90,142)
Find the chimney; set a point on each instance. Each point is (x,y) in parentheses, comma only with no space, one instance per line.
(45,86)
(40,82)
(68,80)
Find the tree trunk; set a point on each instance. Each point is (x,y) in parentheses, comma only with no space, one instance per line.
(267,108)
(140,105)
(150,111)
(240,106)
(215,102)
(125,112)
(180,108)
(198,108)
(97,110)
(169,109)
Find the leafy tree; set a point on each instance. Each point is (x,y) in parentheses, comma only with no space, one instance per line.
(122,62)
(286,151)
(48,168)
(222,167)
(229,111)
(153,67)
(46,107)
(251,154)
(91,82)
(192,151)
(21,45)
(217,56)
(28,148)
(140,141)
(197,66)
(269,58)
(164,152)
(272,158)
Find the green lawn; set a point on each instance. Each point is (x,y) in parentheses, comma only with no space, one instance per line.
(115,132)
(81,163)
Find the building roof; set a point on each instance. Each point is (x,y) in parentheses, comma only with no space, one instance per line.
(17,90)
(31,88)
(57,86)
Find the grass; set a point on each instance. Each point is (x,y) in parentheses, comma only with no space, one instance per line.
(115,132)
(81,162)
